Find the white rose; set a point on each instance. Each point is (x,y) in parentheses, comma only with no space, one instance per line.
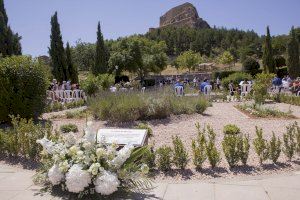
(107,183)
(77,179)
(47,145)
(55,175)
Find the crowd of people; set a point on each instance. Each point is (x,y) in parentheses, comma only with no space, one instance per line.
(64,92)
(65,85)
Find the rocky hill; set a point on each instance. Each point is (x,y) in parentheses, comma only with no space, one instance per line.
(183,15)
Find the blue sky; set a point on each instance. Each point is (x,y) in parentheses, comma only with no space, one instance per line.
(78,18)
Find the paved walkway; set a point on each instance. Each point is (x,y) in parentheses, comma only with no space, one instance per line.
(16,184)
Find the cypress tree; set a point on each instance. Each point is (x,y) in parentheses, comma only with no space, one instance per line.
(293,55)
(9,41)
(73,74)
(268,60)
(100,66)
(57,52)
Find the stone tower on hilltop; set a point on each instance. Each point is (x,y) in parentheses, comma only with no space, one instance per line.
(183,15)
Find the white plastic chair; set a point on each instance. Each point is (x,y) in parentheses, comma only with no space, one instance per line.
(60,95)
(179,91)
(68,94)
(113,89)
(76,95)
(207,90)
(245,89)
(143,89)
(51,96)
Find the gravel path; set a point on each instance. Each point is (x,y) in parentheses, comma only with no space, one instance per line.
(217,116)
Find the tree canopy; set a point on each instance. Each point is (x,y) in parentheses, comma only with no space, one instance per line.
(57,51)
(9,41)
(138,55)
(293,55)
(268,59)
(101,56)
(189,60)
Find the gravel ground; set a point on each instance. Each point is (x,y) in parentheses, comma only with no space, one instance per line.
(217,116)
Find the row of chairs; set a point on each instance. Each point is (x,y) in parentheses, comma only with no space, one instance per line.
(66,96)
(179,90)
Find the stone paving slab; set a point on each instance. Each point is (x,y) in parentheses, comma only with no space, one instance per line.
(239,192)
(203,191)
(282,193)
(16,184)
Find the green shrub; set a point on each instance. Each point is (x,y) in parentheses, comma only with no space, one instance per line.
(164,158)
(79,114)
(222,74)
(289,143)
(198,147)
(93,84)
(211,150)
(259,111)
(89,85)
(298,139)
(67,128)
(274,148)
(236,78)
(20,139)
(230,146)
(260,146)
(260,87)
(145,126)
(23,87)
(251,66)
(289,99)
(201,105)
(231,129)
(243,149)
(149,158)
(180,157)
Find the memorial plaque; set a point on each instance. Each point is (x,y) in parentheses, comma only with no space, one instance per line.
(136,137)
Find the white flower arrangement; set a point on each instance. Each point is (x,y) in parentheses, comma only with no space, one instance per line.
(84,166)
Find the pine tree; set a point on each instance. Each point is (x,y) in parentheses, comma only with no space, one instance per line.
(73,74)
(9,41)
(100,66)
(293,55)
(57,52)
(268,60)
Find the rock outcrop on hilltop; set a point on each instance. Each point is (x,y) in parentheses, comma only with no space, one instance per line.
(183,15)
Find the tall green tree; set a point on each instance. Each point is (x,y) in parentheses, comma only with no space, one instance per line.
(268,60)
(293,55)
(9,41)
(72,69)
(189,60)
(57,51)
(101,65)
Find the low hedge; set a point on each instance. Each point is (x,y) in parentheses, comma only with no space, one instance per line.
(129,107)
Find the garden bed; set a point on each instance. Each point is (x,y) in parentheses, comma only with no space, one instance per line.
(256,111)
